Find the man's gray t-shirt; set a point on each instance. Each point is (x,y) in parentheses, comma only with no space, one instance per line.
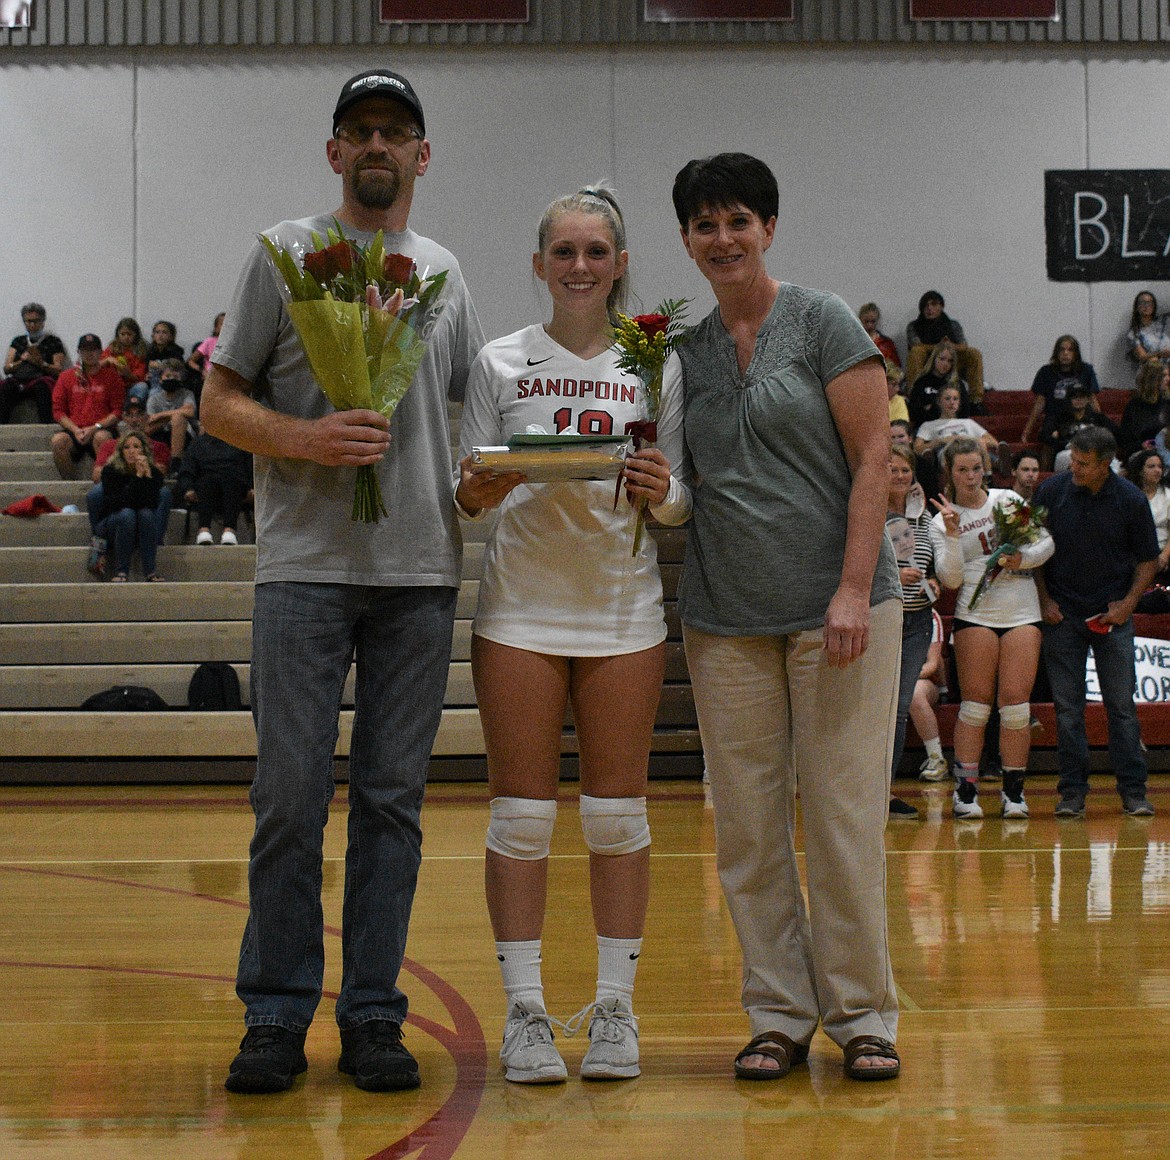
(766,542)
(303,527)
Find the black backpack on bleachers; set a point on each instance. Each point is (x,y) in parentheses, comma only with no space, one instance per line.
(135,698)
(214,685)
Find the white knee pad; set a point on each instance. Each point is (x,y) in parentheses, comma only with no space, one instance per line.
(521,827)
(614,825)
(1015,716)
(974,713)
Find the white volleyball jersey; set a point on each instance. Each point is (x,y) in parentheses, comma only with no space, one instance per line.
(1011,599)
(558,576)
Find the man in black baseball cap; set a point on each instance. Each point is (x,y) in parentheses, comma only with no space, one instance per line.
(379,82)
(386,591)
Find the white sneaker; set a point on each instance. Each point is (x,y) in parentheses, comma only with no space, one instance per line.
(228,537)
(527,1053)
(1012,797)
(966,800)
(933,769)
(204,538)
(613,1041)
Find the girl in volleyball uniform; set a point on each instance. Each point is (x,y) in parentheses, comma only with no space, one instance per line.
(568,616)
(558,574)
(997,644)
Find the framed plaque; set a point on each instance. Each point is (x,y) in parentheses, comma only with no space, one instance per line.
(454,11)
(670,11)
(984,10)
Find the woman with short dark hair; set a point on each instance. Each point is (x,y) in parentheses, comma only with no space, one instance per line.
(792,614)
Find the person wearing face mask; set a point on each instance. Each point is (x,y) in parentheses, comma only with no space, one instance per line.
(170,410)
(31,366)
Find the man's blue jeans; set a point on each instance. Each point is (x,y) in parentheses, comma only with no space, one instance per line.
(1066,649)
(304,637)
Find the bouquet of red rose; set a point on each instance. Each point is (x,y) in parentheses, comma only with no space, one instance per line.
(643,344)
(1017,523)
(363,317)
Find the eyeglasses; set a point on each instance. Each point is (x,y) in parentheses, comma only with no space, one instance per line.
(391,134)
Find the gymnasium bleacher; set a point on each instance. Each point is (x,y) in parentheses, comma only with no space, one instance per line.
(65,636)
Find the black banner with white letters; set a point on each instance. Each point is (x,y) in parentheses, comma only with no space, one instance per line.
(1107,225)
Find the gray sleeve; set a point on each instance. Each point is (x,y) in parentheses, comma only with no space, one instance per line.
(467,341)
(253,320)
(840,341)
(957,335)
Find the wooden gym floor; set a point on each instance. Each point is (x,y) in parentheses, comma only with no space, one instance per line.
(1033,961)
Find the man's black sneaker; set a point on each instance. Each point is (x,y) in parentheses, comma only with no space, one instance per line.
(269,1058)
(1071,805)
(374,1055)
(902,811)
(1138,807)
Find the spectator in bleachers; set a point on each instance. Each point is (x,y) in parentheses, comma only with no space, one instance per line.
(1051,386)
(163,344)
(133,419)
(131,485)
(127,353)
(1025,473)
(87,403)
(928,691)
(894,381)
(200,360)
(1106,556)
(926,469)
(1143,416)
(941,370)
(31,366)
(1148,339)
(1145,469)
(935,434)
(870,316)
(170,410)
(1074,414)
(908,526)
(997,643)
(931,327)
(217,478)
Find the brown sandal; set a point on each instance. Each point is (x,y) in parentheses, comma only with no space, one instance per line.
(864,1046)
(774,1045)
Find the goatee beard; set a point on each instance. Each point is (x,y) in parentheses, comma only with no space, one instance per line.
(376,190)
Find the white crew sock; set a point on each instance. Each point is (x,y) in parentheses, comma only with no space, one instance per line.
(934,747)
(520,969)
(617,964)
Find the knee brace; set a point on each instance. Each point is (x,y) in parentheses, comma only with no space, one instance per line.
(521,828)
(1015,716)
(614,825)
(974,713)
